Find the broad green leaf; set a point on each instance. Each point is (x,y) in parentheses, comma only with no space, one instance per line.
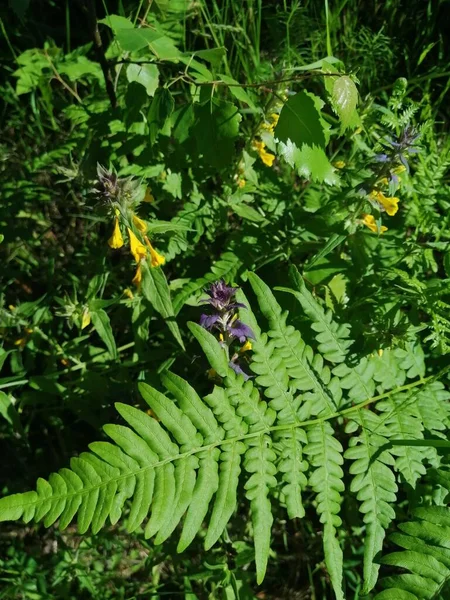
(345,99)
(133,40)
(182,120)
(238,92)
(213,55)
(116,22)
(215,131)
(164,49)
(248,212)
(160,110)
(301,122)
(146,75)
(102,325)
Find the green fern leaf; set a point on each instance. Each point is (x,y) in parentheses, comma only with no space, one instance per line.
(426,558)
(325,454)
(374,484)
(333,339)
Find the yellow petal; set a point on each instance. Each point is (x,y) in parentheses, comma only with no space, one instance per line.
(369,221)
(140,224)
(137,248)
(241,183)
(267,158)
(390,205)
(247,346)
(116,240)
(156,259)
(128,293)
(138,277)
(85,319)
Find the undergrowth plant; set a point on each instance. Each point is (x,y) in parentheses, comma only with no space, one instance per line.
(305,416)
(156,159)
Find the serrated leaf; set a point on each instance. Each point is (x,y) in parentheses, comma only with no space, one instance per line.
(311,162)
(301,122)
(345,99)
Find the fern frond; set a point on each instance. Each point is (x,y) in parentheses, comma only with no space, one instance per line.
(333,339)
(306,369)
(374,484)
(401,421)
(426,558)
(225,268)
(274,433)
(325,454)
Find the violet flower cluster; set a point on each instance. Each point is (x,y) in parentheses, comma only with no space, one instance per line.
(224,319)
(398,150)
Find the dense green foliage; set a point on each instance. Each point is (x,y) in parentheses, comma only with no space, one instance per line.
(298,151)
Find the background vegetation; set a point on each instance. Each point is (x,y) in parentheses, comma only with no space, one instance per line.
(190,108)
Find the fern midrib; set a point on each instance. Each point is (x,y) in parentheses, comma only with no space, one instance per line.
(242,437)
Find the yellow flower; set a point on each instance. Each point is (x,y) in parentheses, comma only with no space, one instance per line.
(399,169)
(140,224)
(369,221)
(138,249)
(86,318)
(241,183)
(380,352)
(148,195)
(339,164)
(275,118)
(156,258)
(390,205)
(128,293)
(138,277)
(116,240)
(21,342)
(246,346)
(265,156)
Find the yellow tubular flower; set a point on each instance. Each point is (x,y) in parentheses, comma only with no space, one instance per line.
(140,224)
(116,240)
(390,205)
(138,277)
(156,259)
(267,158)
(128,293)
(246,346)
(369,221)
(138,249)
